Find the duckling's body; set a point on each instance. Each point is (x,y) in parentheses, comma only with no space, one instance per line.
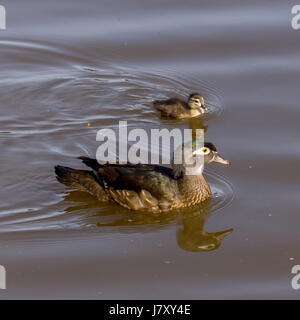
(178,109)
(138,187)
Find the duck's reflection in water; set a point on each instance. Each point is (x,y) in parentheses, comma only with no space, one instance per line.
(197,123)
(191,234)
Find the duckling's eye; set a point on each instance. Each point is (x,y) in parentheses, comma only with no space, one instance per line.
(205,150)
(196,100)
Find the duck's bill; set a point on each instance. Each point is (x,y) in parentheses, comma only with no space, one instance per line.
(219,159)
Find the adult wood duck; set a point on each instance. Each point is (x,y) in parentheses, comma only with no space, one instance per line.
(178,109)
(144,187)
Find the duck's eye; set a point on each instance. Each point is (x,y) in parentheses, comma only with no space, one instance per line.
(205,150)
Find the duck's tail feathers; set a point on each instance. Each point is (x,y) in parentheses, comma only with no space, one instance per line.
(83,180)
(92,163)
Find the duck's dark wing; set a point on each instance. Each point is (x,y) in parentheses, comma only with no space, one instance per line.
(95,165)
(158,180)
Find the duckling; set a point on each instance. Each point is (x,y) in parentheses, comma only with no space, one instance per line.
(178,109)
(146,187)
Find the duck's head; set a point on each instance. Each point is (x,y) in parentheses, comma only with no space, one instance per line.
(210,154)
(195,155)
(196,101)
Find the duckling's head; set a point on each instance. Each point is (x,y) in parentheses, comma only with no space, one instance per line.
(196,101)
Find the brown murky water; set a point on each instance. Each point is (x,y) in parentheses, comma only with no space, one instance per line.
(68,63)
